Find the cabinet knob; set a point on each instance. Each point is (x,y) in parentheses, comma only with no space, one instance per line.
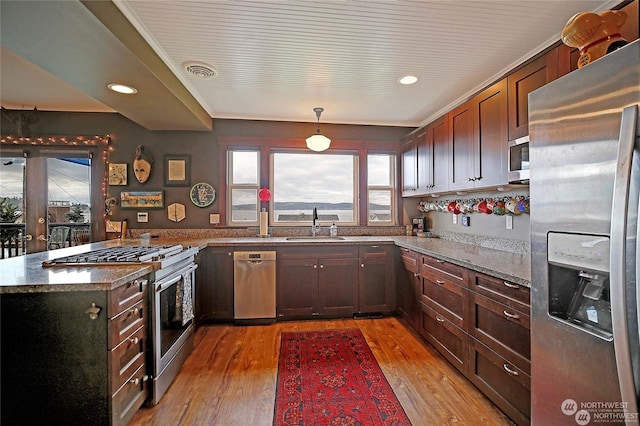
(321,266)
(135,311)
(362,265)
(93,311)
(134,340)
(135,381)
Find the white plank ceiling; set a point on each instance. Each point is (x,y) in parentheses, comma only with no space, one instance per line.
(277,60)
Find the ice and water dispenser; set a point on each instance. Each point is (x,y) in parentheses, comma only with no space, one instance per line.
(579,281)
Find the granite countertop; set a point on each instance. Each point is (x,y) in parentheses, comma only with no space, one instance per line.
(26,274)
(505,265)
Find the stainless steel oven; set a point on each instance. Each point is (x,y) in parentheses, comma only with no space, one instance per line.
(172,301)
(519,160)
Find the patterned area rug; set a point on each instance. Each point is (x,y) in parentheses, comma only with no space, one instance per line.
(330,377)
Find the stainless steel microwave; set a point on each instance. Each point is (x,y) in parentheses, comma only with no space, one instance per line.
(519,160)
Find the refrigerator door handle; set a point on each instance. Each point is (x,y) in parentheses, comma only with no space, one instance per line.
(618,279)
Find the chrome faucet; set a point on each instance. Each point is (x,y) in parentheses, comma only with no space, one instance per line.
(313,225)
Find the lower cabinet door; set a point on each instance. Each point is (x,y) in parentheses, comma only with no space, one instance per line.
(449,340)
(338,287)
(503,383)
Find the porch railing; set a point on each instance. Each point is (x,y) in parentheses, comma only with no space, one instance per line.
(12,237)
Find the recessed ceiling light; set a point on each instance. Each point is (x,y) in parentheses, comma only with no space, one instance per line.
(408,79)
(122,88)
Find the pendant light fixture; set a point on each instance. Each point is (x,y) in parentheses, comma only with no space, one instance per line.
(318,142)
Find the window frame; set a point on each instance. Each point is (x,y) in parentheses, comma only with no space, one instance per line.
(392,187)
(230,186)
(265,145)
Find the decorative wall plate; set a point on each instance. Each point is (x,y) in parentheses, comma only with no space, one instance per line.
(202,194)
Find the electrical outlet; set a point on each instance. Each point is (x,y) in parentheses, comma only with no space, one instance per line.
(466,221)
(455,219)
(509,219)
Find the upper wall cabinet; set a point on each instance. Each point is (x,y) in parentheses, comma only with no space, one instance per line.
(433,157)
(478,150)
(409,165)
(522,82)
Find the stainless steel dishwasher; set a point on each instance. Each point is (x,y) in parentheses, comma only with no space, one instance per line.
(254,285)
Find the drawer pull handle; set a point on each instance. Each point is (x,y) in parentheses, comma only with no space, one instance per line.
(510,315)
(134,340)
(415,274)
(510,285)
(135,311)
(440,282)
(135,381)
(509,370)
(439,261)
(439,318)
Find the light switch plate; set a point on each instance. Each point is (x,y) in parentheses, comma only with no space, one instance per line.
(466,221)
(214,219)
(509,221)
(142,217)
(455,219)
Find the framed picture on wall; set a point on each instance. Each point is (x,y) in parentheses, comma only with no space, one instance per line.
(117,174)
(177,170)
(142,199)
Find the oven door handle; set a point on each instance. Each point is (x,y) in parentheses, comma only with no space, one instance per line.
(162,285)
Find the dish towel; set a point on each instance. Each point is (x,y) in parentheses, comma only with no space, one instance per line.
(184,301)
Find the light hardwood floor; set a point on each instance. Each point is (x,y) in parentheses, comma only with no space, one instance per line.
(230,377)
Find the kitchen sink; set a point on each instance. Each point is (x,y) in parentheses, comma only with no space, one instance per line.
(303,238)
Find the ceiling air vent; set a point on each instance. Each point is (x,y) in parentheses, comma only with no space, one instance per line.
(200,70)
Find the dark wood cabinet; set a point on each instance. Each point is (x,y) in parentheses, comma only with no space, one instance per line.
(500,344)
(433,157)
(409,166)
(522,82)
(444,309)
(62,365)
(337,286)
(214,285)
(408,286)
(461,146)
(317,281)
(376,281)
(490,137)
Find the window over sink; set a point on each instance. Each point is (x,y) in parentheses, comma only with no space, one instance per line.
(333,182)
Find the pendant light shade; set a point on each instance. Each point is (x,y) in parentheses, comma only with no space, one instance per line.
(318,142)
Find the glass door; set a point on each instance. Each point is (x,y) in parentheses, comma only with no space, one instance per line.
(45,201)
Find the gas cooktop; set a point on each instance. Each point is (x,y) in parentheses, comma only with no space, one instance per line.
(117,256)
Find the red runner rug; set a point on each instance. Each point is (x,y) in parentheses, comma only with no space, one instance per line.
(330,377)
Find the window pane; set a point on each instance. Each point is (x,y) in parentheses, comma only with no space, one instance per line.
(379,170)
(302,181)
(244,206)
(245,167)
(380,205)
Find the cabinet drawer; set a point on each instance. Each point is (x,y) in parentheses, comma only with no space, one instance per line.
(444,269)
(127,357)
(409,259)
(449,340)
(126,322)
(502,328)
(130,397)
(510,294)
(375,249)
(127,295)
(449,299)
(502,382)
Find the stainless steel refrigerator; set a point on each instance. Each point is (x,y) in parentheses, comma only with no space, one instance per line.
(585,180)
